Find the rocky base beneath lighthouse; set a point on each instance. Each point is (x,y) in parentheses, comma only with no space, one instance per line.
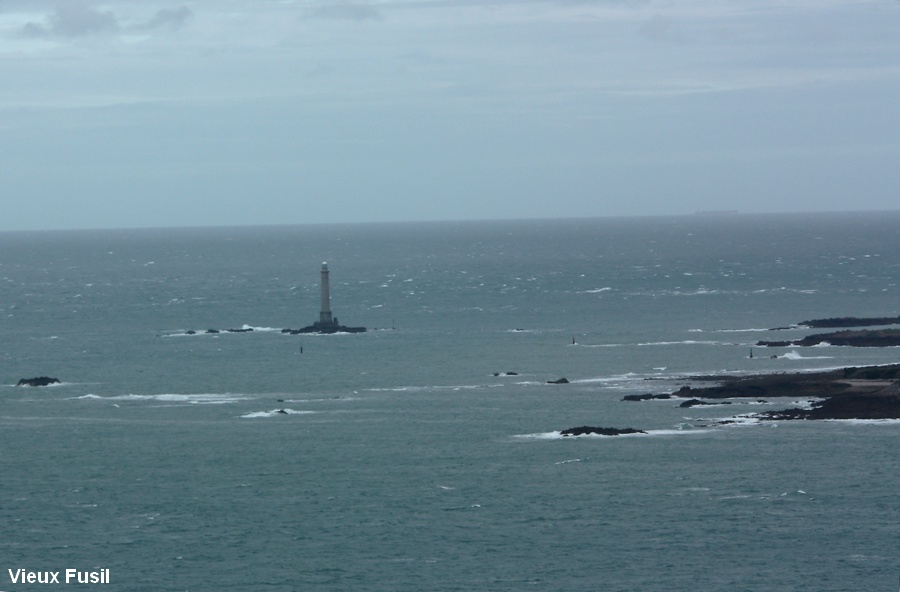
(325,329)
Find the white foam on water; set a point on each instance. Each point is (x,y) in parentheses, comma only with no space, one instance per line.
(437,388)
(685,342)
(693,432)
(40,388)
(628,376)
(795,355)
(865,421)
(262,329)
(736,420)
(192,399)
(275,413)
(320,399)
(648,433)
(540,436)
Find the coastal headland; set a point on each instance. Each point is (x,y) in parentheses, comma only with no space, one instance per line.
(871,392)
(858,338)
(843,322)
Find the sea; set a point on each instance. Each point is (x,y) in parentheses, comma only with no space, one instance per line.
(425,454)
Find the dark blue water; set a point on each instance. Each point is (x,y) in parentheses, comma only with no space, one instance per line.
(400,461)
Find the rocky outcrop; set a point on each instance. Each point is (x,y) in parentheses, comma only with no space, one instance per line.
(562,380)
(38,381)
(324,329)
(697,402)
(586,430)
(871,392)
(646,397)
(850,322)
(860,338)
(317,328)
(880,405)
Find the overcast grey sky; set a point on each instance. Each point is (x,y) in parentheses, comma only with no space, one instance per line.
(223,112)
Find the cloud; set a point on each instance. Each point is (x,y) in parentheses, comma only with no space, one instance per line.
(172,18)
(346,10)
(74,20)
(80,20)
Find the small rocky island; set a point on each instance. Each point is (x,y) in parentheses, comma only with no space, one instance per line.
(38,381)
(589,430)
(327,324)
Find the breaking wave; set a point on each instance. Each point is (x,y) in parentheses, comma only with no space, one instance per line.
(191,399)
(794,355)
(274,413)
(557,435)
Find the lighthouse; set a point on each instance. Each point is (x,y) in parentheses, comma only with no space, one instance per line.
(327,323)
(325,319)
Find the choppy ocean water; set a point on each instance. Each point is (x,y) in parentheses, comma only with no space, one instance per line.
(397,459)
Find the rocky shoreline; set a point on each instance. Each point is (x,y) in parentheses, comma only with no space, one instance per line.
(871,392)
(859,338)
(842,322)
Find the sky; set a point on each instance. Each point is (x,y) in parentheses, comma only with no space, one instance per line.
(157,113)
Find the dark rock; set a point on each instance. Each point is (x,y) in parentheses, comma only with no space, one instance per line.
(212,331)
(850,393)
(38,381)
(850,322)
(872,373)
(247,330)
(190,332)
(860,338)
(696,402)
(324,329)
(882,405)
(646,397)
(585,430)
(559,381)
